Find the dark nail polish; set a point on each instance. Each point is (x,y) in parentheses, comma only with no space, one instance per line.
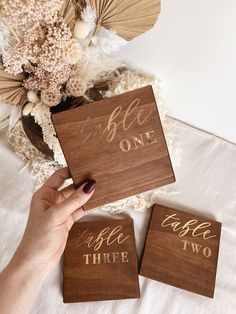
(89,186)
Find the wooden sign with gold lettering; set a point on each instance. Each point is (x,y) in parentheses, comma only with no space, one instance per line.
(182,250)
(117,141)
(100,262)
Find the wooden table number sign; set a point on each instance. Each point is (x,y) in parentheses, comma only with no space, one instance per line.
(117,141)
(100,262)
(182,250)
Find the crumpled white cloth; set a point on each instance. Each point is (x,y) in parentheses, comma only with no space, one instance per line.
(206,182)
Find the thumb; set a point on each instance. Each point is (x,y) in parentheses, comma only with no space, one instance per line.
(76,200)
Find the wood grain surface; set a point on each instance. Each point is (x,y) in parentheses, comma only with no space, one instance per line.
(117,141)
(100,262)
(182,250)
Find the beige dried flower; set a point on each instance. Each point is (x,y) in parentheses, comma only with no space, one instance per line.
(46,51)
(73,52)
(40,51)
(76,87)
(81,29)
(46,80)
(32,97)
(51,97)
(26,15)
(50,56)
(79,68)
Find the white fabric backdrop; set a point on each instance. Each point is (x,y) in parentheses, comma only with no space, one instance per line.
(206,181)
(192,48)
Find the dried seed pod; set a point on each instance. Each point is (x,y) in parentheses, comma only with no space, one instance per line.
(76,87)
(51,97)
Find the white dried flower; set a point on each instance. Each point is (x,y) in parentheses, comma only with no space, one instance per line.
(27,15)
(81,29)
(32,97)
(6,41)
(51,97)
(76,87)
(89,16)
(27,108)
(110,42)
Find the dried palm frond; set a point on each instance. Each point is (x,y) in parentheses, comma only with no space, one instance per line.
(67,11)
(11,89)
(128,18)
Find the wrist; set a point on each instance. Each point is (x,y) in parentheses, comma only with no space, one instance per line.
(20,283)
(28,266)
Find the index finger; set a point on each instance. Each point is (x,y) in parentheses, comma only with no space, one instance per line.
(57,179)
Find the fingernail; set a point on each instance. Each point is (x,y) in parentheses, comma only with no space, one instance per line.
(89,186)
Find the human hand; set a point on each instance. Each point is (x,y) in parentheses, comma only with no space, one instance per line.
(52,215)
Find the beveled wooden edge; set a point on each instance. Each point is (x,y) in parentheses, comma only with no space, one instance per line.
(144,248)
(67,301)
(170,180)
(97,103)
(167,149)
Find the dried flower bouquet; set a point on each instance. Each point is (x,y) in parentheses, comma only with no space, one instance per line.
(52,56)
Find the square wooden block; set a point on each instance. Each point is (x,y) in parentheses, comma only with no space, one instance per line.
(100,262)
(117,141)
(182,250)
